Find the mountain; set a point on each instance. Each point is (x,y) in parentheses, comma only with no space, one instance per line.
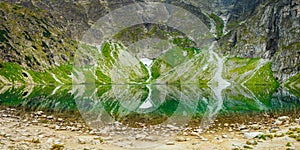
(39,40)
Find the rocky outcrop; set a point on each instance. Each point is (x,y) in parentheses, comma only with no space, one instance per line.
(32,39)
(271,33)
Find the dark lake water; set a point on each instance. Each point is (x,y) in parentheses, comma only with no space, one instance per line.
(99,105)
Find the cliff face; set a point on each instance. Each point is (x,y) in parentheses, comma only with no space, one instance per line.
(244,28)
(32,39)
(272,32)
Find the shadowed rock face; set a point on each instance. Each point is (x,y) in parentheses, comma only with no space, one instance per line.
(245,28)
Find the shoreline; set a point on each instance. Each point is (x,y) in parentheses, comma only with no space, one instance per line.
(38,130)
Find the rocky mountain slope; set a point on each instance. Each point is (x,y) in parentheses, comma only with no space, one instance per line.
(39,36)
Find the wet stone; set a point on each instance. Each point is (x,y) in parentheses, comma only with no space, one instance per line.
(180,139)
(170,143)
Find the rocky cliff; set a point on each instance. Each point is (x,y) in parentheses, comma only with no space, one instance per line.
(42,34)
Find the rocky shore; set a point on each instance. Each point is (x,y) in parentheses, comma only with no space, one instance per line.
(38,130)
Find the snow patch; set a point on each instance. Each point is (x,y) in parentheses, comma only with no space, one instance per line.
(148,63)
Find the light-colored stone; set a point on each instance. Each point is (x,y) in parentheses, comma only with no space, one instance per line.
(283,118)
(250,135)
(81,141)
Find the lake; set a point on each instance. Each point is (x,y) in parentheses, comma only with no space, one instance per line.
(180,105)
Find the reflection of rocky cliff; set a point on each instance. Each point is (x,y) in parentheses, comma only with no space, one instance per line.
(153,104)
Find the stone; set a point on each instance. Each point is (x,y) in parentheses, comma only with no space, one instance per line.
(203,138)
(226,124)
(278,122)
(39,113)
(140,136)
(49,117)
(248,147)
(224,136)
(34,121)
(171,127)
(283,118)
(60,119)
(250,135)
(242,127)
(180,139)
(274,129)
(251,142)
(255,126)
(194,134)
(150,138)
(170,143)
(81,141)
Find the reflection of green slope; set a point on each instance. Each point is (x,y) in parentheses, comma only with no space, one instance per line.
(41,98)
(293,85)
(263,93)
(12,96)
(239,99)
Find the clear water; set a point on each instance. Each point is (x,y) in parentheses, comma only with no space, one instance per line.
(148,104)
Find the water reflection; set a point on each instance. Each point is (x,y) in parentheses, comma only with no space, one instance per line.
(148,104)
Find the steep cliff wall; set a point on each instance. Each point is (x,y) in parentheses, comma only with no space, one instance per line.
(43,33)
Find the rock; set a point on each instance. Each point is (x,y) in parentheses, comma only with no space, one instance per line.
(224,136)
(194,134)
(226,124)
(180,139)
(49,117)
(250,135)
(248,147)
(278,122)
(170,143)
(50,140)
(39,113)
(57,127)
(203,138)
(255,126)
(140,136)
(283,118)
(58,142)
(150,138)
(81,141)
(60,119)
(2,133)
(63,128)
(95,142)
(242,127)
(251,142)
(109,138)
(34,122)
(274,129)
(171,127)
